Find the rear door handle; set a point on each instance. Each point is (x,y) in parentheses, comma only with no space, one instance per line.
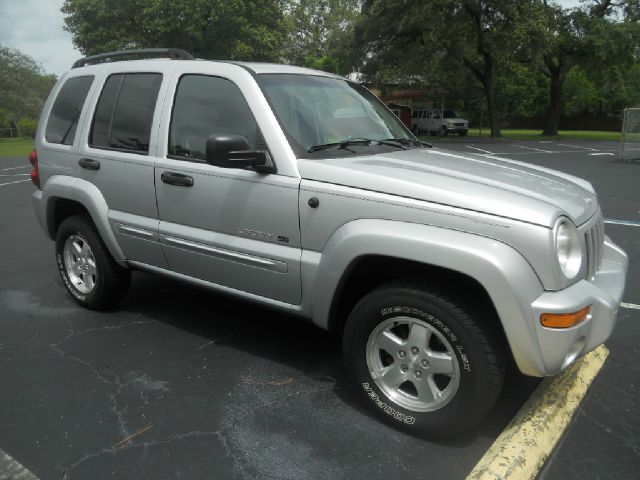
(178,179)
(89,164)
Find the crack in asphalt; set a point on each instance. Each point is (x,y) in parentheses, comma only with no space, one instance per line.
(107,378)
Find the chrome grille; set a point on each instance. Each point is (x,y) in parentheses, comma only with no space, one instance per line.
(594,239)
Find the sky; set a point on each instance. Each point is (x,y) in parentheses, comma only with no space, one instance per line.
(35,28)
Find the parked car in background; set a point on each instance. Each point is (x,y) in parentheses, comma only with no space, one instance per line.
(438,122)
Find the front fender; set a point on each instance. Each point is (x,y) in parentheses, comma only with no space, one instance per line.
(88,195)
(506,276)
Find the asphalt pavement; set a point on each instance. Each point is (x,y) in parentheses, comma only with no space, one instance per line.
(179,382)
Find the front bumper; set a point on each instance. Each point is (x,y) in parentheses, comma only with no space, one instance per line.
(454,129)
(559,348)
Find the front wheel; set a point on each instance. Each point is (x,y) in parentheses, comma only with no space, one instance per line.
(88,271)
(421,359)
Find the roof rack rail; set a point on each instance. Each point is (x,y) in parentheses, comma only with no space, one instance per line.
(173,53)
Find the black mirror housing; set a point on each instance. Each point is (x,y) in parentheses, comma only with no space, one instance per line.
(232,151)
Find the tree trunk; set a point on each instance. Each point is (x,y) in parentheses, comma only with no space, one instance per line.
(490,92)
(494,123)
(556,92)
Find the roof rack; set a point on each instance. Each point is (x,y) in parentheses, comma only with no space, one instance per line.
(173,53)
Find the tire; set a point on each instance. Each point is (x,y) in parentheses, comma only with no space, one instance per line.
(444,131)
(88,271)
(453,356)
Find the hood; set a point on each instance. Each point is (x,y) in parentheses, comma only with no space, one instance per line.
(490,185)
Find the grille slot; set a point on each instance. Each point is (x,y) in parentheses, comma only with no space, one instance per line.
(594,240)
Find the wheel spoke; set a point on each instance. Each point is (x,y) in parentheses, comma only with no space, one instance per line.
(419,336)
(88,280)
(91,268)
(86,251)
(77,249)
(390,343)
(427,389)
(392,376)
(440,362)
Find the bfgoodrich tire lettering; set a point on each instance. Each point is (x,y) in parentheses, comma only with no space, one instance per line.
(439,381)
(88,271)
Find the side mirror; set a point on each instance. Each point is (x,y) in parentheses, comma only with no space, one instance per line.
(232,151)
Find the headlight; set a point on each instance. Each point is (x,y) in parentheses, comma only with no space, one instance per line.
(568,248)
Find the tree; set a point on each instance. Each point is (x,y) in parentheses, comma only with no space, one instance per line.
(24,88)
(319,32)
(225,29)
(481,36)
(591,36)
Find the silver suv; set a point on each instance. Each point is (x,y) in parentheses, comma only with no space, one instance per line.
(299,190)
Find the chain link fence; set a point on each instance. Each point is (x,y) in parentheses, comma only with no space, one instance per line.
(17,132)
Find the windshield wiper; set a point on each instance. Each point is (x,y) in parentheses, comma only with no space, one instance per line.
(341,145)
(408,141)
(391,142)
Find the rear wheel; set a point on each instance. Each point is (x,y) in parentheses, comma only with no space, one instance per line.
(422,360)
(88,271)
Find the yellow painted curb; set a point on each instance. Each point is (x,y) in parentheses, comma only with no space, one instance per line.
(522,448)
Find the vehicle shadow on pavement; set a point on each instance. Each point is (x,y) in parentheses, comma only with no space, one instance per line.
(287,341)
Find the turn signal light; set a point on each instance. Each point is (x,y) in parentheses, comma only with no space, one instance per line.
(564,320)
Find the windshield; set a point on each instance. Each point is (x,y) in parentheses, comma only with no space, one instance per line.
(450,114)
(315,111)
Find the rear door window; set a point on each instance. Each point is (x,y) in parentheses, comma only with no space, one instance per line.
(124,113)
(64,116)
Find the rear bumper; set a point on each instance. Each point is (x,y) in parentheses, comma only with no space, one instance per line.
(559,348)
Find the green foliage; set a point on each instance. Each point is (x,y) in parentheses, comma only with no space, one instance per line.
(325,63)
(591,36)
(225,29)
(24,88)
(321,29)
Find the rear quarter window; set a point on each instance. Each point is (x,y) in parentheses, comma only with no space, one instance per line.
(65,113)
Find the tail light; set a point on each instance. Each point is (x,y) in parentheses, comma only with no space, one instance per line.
(35,173)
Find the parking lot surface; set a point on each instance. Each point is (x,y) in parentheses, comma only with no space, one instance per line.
(182,383)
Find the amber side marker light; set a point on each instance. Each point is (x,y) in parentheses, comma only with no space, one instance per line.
(564,320)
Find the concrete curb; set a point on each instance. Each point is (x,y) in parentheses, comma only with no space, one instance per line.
(521,450)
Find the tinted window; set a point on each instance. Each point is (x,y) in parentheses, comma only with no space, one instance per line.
(204,106)
(125,112)
(63,120)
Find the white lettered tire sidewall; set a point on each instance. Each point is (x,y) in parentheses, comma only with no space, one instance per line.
(112,281)
(477,367)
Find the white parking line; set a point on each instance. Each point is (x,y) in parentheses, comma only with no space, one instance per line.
(626,223)
(14,174)
(12,470)
(480,150)
(601,153)
(531,148)
(11,183)
(14,168)
(578,146)
(632,306)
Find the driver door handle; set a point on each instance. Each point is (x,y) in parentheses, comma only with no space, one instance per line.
(177,179)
